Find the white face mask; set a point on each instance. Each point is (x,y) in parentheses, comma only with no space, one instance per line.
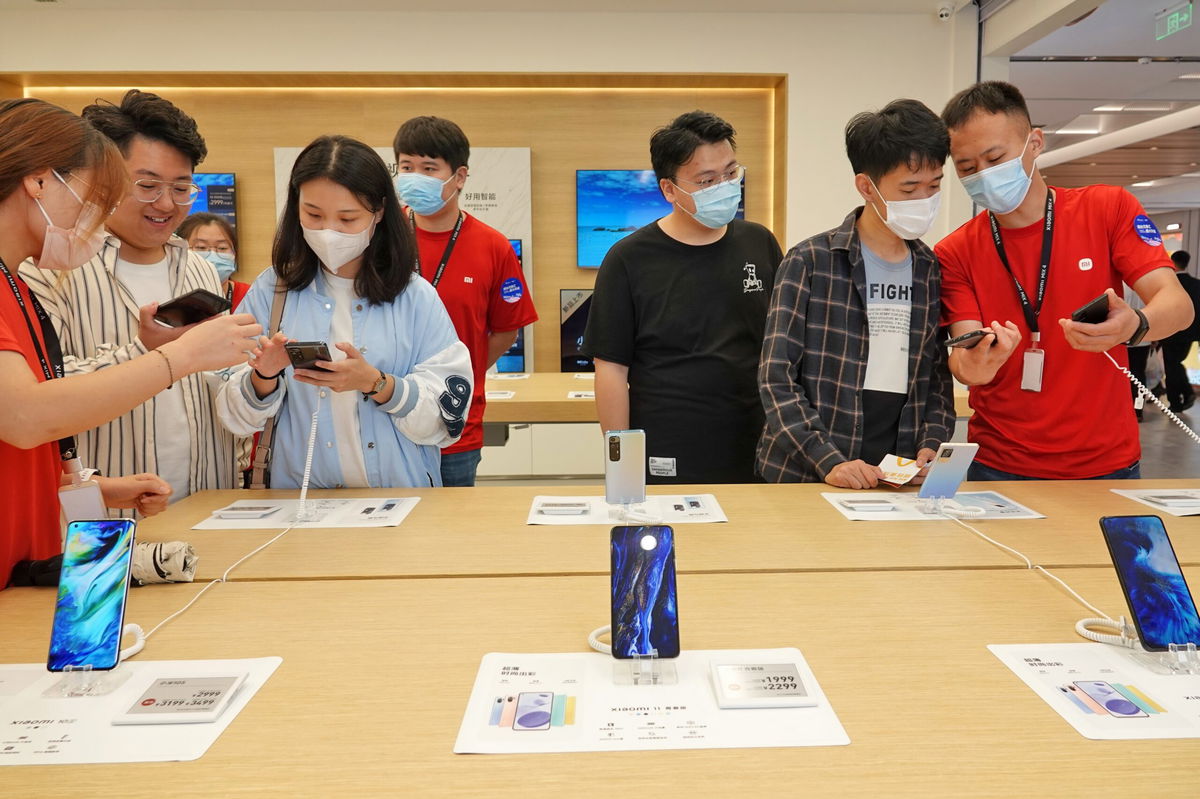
(909,219)
(335,249)
(70,248)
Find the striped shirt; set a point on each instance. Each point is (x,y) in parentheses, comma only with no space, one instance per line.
(97,323)
(814,360)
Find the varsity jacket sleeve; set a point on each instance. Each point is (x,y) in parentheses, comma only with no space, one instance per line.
(792,423)
(429,404)
(46,286)
(238,407)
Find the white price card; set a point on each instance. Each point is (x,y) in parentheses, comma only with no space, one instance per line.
(747,685)
(182,700)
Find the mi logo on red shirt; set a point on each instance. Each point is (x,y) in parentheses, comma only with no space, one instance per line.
(1085,264)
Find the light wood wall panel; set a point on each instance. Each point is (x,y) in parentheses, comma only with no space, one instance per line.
(604,126)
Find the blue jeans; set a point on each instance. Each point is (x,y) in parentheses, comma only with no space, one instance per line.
(979,471)
(458,469)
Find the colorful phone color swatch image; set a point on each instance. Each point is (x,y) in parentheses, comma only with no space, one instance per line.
(532,710)
(1110,699)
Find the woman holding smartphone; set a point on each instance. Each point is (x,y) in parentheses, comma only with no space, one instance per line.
(59,179)
(397,384)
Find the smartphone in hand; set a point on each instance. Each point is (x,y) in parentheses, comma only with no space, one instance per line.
(305,354)
(195,306)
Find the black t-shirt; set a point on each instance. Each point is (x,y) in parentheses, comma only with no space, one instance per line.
(688,322)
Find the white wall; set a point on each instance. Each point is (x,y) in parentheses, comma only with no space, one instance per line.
(837,64)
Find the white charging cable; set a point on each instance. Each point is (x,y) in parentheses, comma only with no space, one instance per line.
(1148,394)
(1126,637)
(133,629)
(594,639)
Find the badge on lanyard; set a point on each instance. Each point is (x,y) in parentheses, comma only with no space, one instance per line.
(1035,359)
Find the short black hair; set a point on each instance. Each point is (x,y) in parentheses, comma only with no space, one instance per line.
(148,115)
(992,97)
(905,132)
(1181,258)
(389,258)
(672,146)
(202,218)
(433,137)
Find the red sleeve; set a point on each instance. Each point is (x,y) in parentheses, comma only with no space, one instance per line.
(959,303)
(239,291)
(1134,242)
(510,307)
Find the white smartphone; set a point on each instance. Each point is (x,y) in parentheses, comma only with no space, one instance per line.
(533,711)
(947,471)
(625,467)
(245,511)
(82,502)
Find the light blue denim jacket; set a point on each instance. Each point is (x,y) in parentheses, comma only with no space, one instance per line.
(411,338)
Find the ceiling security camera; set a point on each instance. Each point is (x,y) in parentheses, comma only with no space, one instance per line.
(945,11)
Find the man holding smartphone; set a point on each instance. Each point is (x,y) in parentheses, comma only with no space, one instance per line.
(853,367)
(104,311)
(678,310)
(1047,403)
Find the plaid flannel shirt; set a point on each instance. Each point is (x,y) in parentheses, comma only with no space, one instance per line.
(814,360)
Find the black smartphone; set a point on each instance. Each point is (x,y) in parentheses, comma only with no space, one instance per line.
(195,306)
(1159,600)
(1093,312)
(305,354)
(89,614)
(967,340)
(645,612)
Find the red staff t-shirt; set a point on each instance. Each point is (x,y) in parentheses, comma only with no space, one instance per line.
(1081,424)
(484,292)
(29,478)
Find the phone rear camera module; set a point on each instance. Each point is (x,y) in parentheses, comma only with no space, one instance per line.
(614,448)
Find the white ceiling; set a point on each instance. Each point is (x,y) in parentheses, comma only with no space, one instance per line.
(651,6)
(1065,94)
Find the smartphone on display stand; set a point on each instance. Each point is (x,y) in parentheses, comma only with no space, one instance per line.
(89,614)
(625,467)
(195,306)
(645,612)
(947,470)
(1158,596)
(305,354)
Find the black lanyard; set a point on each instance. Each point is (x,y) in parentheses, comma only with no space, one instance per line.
(437,276)
(1031,312)
(52,365)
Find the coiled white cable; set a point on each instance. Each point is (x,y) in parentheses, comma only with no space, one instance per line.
(312,441)
(1148,394)
(594,639)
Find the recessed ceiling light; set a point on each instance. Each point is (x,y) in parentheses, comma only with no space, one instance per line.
(1110,108)
(1153,146)
(1189,76)
(1091,163)
(1133,177)
(1173,226)
(1143,183)
(1077,131)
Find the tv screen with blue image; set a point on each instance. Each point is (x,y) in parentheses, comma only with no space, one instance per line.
(612,203)
(217,195)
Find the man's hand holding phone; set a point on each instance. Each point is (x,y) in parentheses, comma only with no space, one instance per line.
(976,366)
(1117,327)
(154,334)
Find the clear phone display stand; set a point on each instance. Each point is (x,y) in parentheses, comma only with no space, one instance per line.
(80,681)
(629,514)
(1178,659)
(645,670)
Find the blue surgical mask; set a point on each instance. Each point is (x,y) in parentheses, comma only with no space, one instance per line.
(1003,187)
(717,205)
(422,193)
(223,262)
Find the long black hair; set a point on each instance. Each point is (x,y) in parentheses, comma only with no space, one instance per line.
(389,258)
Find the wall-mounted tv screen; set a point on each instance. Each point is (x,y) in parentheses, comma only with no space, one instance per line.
(612,203)
(217,195)
(513,359)
(574,305)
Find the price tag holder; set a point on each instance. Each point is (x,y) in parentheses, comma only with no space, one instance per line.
(750,685)
(183,700)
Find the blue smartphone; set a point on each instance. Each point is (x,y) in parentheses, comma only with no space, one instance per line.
(1159,599)
(89,614)
(645,613)
(947,470)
